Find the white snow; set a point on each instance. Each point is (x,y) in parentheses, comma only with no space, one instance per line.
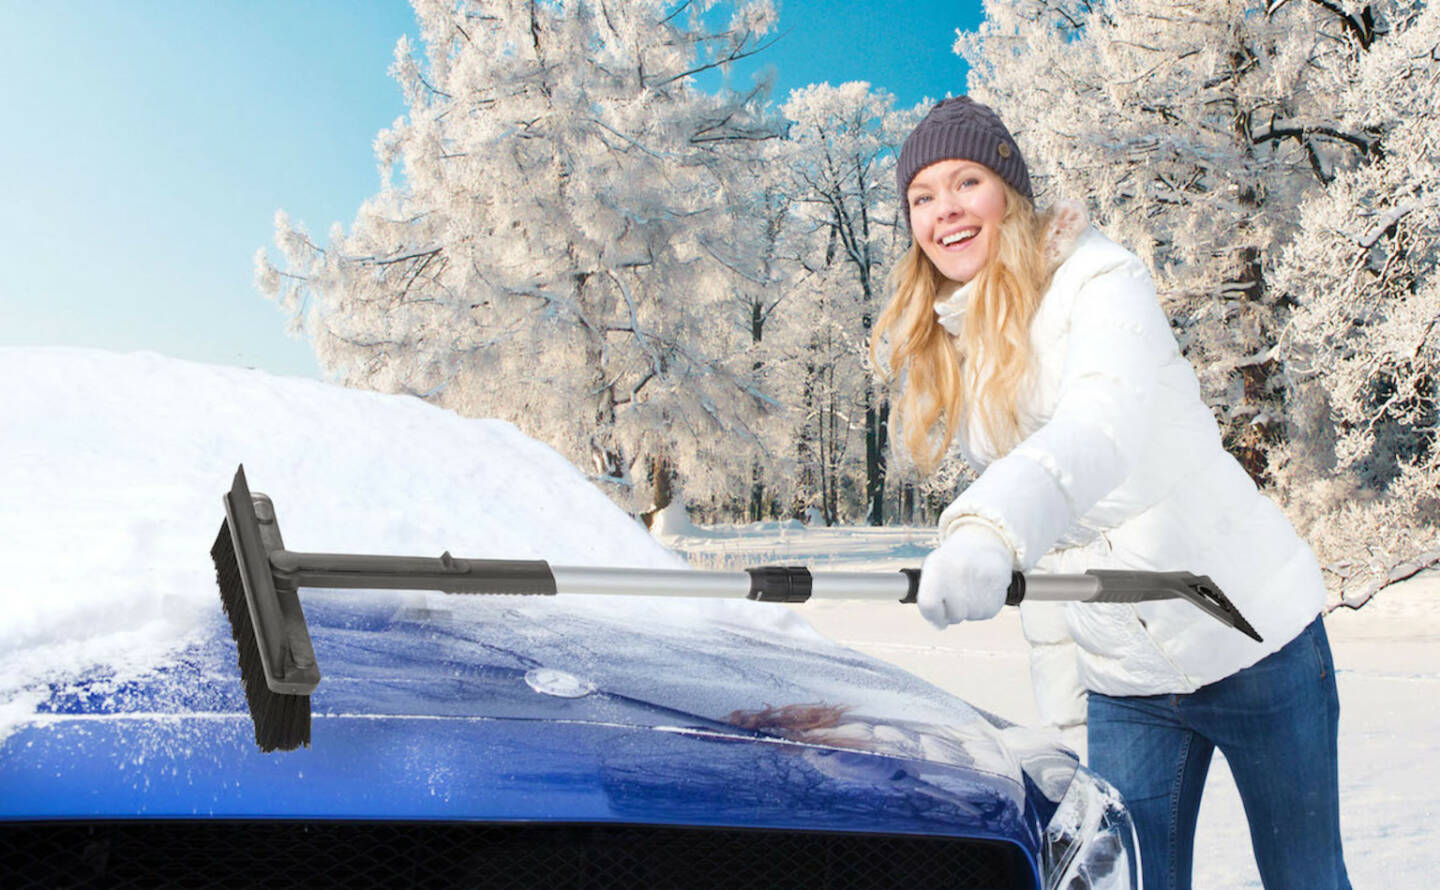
(112,469)
(1387,658)
(673,520)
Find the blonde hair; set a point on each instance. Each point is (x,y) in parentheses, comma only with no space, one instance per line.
(987,366)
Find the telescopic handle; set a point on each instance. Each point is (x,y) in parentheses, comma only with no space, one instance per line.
(786,584)
(782,584)
(797,584)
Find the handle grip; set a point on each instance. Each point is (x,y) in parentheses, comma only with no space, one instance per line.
(1013,595)
(1115,586)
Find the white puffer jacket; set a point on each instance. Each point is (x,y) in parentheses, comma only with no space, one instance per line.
(1122,468)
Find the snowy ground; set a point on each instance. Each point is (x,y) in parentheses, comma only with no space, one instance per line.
(1387,665)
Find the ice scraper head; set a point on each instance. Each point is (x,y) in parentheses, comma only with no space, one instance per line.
(277,662)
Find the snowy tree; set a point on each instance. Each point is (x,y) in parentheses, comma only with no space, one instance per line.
(1364,341)
(1173,122)
(839,172)
(540,249)
(750,477)
(1275,163)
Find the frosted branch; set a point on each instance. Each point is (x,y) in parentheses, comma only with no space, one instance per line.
(1356,595)
(1388,221)
(734,56)
(1300,132)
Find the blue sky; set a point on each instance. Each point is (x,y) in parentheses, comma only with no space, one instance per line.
(150,142)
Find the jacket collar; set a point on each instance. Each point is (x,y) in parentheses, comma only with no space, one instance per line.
(1067,223)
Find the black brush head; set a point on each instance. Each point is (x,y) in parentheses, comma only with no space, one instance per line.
(282,722)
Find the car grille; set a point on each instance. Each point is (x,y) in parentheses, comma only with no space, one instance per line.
(531,856)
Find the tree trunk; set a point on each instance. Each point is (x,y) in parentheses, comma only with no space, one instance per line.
(604,451)
(661,476)
(832,459)
(755,510)
(877,423)
(1250,443)
(662,481)
(805,458)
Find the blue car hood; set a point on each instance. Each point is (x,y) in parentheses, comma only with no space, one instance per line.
(563,708)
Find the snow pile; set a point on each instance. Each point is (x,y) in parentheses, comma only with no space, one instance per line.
(674,520)
(112,476)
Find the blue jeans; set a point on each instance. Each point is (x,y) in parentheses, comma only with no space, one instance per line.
(1276,724)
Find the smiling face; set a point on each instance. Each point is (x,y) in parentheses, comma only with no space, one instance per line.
(955,212)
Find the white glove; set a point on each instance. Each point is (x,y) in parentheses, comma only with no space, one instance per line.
(965,578)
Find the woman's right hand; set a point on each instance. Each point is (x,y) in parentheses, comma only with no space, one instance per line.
(966,577)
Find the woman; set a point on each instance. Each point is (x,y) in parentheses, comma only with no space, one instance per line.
(1036,346)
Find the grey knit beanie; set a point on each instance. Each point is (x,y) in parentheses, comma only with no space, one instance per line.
(963,129)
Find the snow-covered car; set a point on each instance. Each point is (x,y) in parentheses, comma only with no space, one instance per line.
(555,742)
(558,741)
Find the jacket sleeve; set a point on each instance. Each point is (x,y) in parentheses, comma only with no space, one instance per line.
(1117,341)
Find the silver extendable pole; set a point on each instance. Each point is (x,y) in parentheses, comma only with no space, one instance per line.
(796,584)
(825,585)
(1062,588)
(649,582)
(686,582)
(861,585)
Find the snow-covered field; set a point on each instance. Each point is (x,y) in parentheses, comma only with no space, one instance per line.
(112,467)
(1387,658)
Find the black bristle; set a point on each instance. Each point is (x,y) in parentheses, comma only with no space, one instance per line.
(282,722)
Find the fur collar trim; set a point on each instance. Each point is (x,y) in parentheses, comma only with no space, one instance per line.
(1068,221)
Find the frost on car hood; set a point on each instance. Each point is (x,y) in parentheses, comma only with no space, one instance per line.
(413,669)
(640,662)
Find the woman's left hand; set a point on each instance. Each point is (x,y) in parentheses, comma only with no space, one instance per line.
(966,577)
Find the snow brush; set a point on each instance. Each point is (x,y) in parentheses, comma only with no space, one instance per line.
(260,581)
